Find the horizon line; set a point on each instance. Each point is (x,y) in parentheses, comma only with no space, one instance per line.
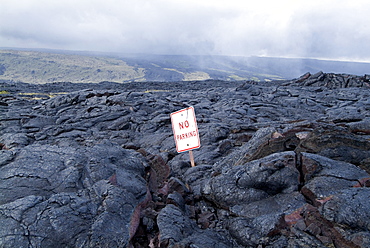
(190,55)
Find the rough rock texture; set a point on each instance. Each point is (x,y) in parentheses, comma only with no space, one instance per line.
(281,164)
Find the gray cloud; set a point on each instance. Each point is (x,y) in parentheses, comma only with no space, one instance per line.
(331,29)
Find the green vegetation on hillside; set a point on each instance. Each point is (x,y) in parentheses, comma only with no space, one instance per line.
(41,67)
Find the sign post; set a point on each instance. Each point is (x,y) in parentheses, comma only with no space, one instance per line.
(185,131)
(191,158)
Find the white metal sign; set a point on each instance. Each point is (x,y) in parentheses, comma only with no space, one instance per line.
(185,130)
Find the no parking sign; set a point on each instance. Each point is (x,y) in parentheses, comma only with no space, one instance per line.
(185,129)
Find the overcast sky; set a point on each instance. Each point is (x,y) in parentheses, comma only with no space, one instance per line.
(329,29)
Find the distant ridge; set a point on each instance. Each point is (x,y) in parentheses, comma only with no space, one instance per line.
(47,65)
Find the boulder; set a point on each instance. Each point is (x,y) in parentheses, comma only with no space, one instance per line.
(349,207)
(254,181)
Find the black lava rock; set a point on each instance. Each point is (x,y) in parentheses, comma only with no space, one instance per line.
(281,164)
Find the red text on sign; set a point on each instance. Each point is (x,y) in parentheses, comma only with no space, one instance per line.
(186,135)
(184,124)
